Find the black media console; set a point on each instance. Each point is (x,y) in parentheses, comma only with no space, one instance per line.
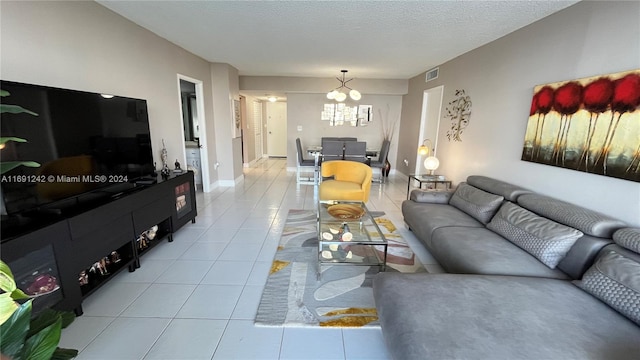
(62,255)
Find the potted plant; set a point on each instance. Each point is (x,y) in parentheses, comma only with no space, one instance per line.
(24,337)
(388,128)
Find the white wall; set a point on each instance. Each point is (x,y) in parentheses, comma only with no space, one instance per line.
(587,39)
(84,46)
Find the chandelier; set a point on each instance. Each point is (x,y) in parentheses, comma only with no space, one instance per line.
(338,94)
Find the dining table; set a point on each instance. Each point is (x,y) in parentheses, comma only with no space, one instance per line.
(316,152)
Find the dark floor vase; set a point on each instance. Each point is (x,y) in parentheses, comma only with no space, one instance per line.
(386,168)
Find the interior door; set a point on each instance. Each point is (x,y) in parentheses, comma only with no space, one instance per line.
(277,129)
(257,129)
(429,124)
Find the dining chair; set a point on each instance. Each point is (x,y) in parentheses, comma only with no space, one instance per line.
(332,150)
(304,165)
(355,151)
(380,163)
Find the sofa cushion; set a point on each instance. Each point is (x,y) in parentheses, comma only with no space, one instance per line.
(615,279)
(480,204)
(546,240)
(424,218)
(628,238)
(449,316)
(585,220)
(481,251)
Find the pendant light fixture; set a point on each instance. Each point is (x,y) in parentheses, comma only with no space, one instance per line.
(338,93)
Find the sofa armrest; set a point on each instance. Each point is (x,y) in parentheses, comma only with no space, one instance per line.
(431,196)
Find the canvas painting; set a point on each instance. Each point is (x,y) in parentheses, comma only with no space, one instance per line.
(590,125)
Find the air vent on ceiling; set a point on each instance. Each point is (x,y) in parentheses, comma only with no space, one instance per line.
(432,74)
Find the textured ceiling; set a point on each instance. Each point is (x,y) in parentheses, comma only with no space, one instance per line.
(381,39)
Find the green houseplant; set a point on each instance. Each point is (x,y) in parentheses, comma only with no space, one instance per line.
(13,109)
(24,337)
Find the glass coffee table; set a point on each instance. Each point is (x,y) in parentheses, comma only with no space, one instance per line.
(348,235)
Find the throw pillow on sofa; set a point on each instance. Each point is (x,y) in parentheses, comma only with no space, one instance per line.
(615,279)
(547,240)
(479,204)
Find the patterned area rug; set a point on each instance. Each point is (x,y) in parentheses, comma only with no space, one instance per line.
(343,297)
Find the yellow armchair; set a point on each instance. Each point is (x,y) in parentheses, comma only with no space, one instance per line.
(351,181)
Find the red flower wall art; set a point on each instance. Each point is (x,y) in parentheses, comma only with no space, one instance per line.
(590,125)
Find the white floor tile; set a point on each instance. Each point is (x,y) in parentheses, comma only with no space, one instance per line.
(112,298)
(148,272)
(364,344)
(168,250)
(222,235)
(82,331)
(125,338)
(188,234)
(188,339)
(302,343)
(160,301)
(247,305)
(243,340)
(204,251)
(238,251)
(211,302)
(185,272)
(228,273)
(259,273)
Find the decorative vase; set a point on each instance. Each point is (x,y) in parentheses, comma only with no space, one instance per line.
(386,168)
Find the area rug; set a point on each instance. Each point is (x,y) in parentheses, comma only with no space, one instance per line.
(293,295)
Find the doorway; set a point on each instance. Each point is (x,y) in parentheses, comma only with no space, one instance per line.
(429,123)
(277,129)
(194,139)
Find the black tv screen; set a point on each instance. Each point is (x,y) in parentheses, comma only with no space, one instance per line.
(81,142)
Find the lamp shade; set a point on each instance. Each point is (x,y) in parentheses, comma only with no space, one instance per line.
(340,97)
(423,150)
(355,95)
(332,94)
(431,163)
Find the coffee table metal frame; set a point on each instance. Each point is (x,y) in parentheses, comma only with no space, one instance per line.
(367,239)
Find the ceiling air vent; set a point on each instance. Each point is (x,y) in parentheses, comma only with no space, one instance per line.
(432,74)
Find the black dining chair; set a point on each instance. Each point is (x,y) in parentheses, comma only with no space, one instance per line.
(304,165)
(355,151)
(380,163)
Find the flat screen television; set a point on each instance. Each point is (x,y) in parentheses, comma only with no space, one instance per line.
(85,144)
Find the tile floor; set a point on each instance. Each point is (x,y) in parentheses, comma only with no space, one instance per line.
(196,298)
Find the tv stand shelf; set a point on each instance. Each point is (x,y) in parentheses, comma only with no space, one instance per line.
(84,236)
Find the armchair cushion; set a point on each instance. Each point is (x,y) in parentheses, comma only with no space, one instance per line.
(351,181)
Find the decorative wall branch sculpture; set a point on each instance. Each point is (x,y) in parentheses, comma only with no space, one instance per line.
(459,110)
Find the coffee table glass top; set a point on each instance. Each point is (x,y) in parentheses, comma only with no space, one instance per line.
(348,234)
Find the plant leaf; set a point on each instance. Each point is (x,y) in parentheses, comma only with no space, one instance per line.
(18,294)
(4,140)
(10,165)
(4,93)
(14,331)
(7,284)
(15,109)
(67,318)
(7,307)
(42,321)
(42,345)
(64,354)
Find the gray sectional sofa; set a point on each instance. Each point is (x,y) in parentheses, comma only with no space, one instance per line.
(529,277)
